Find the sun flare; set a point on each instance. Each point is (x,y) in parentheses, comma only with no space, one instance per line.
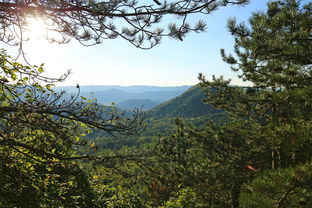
(36,28)
(37,35)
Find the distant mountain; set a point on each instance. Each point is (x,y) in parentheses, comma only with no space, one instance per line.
(144,104)
(118,94)
(189,104)
(159,96)
(131,89)
(108,96)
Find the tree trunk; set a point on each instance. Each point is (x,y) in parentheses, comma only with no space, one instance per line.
(236,189)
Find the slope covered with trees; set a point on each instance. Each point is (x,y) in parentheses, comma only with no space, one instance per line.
(189,104)
(161,119)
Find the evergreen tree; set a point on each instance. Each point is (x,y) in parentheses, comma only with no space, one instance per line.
(274,55)
(267,140)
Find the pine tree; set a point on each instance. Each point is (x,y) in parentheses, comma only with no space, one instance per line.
(273,54)
(267,140)
(92,21)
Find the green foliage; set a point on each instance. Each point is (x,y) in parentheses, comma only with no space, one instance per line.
(290,187)
(183,198)
(261,156)
(40,139)
(272,54)
(28,183)
(117,197)
(212,160)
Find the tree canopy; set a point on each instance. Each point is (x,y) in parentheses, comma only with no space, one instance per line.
(142,23)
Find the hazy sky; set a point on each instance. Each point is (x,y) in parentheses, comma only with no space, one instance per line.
(117,62)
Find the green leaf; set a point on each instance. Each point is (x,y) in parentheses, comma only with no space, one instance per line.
(40,69)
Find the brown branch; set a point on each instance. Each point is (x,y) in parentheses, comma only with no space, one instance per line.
(73,8)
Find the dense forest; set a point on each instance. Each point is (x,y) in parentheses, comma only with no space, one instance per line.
(215,145)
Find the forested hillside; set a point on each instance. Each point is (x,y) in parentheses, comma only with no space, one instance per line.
(189,104)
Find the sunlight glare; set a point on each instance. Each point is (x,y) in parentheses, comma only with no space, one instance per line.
(37,45)
(36,28)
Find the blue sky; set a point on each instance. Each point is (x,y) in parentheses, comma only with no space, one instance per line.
(172,63)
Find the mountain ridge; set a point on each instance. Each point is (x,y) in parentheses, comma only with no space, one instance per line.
(108,94)
(188,104)
(131,88)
